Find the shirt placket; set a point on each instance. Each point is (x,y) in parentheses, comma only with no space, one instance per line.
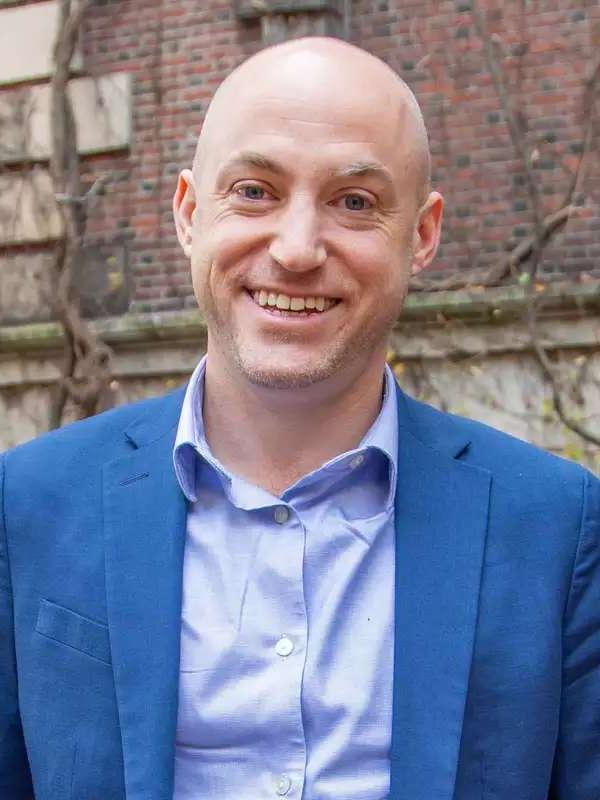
(285,770)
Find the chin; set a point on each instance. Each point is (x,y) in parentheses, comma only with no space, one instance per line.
(289,374)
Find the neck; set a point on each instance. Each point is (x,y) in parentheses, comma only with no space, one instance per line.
(272,437)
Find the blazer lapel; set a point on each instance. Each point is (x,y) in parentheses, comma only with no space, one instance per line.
(441,524)
(144,521)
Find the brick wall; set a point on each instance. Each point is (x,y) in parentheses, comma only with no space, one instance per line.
(179,50)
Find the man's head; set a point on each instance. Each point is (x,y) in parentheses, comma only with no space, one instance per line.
(310,183)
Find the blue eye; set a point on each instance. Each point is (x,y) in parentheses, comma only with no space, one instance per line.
(251,192)
(355,202)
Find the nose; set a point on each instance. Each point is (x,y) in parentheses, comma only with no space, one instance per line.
(297,245)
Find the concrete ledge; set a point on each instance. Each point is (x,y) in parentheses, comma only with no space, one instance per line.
(443,325)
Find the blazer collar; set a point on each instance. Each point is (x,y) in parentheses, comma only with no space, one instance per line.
(441,525)
(159,417)
(144,514)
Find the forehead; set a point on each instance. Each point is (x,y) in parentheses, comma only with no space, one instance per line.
(313,118)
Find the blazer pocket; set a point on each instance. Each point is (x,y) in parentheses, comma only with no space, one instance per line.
(71,629)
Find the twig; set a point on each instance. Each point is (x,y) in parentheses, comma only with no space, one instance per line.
(491,276)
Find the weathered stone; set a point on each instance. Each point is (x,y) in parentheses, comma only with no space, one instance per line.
(26,284)
(102,110)
(25,287)
(101,280)
(27,36)
(28,209)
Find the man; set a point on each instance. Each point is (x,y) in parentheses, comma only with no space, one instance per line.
(291,579)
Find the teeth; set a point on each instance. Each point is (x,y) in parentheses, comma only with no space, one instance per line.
(287,303)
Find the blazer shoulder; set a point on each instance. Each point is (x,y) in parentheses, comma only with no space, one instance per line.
(482,445)
(96,438)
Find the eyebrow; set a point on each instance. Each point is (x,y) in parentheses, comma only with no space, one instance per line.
(360,169)
(365,169)
(250,158)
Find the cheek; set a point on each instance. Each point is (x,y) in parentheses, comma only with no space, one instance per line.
(380,266)
(222,254)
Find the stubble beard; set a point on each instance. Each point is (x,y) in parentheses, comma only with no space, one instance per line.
(338,355)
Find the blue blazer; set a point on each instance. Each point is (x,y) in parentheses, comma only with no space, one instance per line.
(497,645)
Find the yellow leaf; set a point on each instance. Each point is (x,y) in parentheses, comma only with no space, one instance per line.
(547,408)
(115,281)
(573,451)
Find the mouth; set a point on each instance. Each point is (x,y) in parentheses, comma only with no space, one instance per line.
(287,305)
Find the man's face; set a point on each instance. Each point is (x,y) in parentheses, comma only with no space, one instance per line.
(302,233)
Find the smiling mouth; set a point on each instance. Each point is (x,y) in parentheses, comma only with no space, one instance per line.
(288,305)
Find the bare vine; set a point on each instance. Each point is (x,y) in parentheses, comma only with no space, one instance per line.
(522,262)
(86,369)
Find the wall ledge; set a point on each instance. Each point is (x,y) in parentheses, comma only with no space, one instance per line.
(495,307)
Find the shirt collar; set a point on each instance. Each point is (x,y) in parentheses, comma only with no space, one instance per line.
(190,441)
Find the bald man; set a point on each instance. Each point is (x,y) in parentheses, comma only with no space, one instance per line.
(289,579)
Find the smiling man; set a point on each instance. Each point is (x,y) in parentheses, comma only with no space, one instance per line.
(289,579)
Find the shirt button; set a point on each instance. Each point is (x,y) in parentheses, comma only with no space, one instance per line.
(281,514)
(357,460)
(284,646)
(283,785)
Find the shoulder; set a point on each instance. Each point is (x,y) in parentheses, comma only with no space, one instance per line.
(518,467)
(96,438)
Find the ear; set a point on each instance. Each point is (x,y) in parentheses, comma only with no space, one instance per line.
(426,237)
(184,205)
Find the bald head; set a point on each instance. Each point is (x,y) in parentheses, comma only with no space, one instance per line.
(328,73)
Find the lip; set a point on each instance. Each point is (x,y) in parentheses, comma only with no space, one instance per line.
(289,319)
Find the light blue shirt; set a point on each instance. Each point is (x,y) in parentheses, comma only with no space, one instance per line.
(287,623)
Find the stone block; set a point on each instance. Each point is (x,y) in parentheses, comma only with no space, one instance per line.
(27,36)
(28,210)
(25,287)
(102,280)
(26,284)
(102,109)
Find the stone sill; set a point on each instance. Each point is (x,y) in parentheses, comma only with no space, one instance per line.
(251,9)
(497,306)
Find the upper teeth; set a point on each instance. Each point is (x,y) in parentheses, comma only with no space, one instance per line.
(287,303)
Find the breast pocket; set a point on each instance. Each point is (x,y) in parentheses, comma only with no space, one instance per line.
(73,630)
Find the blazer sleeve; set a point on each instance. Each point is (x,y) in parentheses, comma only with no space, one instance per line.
(15,779)
(576,774)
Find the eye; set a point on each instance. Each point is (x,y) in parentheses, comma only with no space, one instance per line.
(251,191)
(357,202)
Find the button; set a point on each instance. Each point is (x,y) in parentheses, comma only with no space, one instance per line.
(281,514)
(283,785)
(357,460)
(284,646)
